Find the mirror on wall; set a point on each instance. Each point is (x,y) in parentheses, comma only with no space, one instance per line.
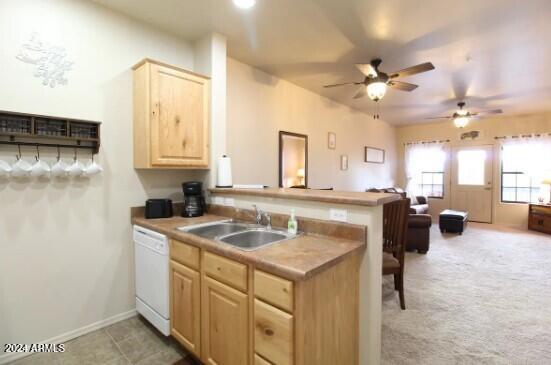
(293,160)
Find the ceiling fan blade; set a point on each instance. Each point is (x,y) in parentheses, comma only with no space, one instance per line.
(447,117)
(404,86)
(423,67)
(361,93)
(485,112)
(367,69)
(343,84)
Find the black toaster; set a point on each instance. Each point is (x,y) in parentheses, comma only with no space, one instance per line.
(158,208)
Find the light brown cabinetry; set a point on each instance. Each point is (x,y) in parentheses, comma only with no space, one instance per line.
(273,333)
(225,324)
(185,323)
(229,313)
(171,117)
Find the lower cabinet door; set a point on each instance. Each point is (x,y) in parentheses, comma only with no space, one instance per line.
(185,313)
(273,334)
(225,324)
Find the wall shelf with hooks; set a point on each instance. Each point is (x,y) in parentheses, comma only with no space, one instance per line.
(46,131)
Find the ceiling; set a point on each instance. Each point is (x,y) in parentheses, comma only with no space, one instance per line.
(490,53)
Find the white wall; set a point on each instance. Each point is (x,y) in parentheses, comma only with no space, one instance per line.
(506,125)
(66,255)
(260,105)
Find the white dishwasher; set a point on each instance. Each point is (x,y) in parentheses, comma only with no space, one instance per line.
(151,251)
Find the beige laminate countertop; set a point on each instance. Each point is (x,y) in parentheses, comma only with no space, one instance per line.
(324,196)
(296,259)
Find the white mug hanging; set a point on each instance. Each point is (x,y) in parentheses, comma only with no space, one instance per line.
(77,168)
(60,168)
(40,168)
(21,168)
(93,168)
(5,169)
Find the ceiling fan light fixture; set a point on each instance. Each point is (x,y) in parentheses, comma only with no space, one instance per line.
(461,121)
(376,90)
(244,4)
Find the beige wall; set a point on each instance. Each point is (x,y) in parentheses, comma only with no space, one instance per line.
(66,253)
(503,213)
(260,105)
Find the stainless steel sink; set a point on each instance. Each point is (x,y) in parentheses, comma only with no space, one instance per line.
(244,236)
(252,239)
(213,230)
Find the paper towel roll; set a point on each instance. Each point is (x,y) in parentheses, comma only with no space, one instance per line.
(224,178)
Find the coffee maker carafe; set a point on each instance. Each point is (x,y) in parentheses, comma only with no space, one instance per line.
(194,201)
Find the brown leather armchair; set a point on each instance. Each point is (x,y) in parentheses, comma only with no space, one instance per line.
(418,237)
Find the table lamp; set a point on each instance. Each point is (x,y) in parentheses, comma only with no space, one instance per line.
(301,174)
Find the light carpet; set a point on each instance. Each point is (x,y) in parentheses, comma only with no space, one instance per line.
(480,298)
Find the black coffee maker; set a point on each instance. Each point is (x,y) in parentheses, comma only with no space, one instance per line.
(194,201)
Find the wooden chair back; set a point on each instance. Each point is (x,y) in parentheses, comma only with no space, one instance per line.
(395,225)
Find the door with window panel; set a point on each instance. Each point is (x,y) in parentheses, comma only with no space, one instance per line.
(471,187)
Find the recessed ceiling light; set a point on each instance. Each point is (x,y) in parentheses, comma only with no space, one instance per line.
(244,4)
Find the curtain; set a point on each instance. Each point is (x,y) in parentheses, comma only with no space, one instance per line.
(422,157)
(529,155)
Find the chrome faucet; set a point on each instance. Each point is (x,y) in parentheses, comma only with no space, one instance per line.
(268,221)
(259,214)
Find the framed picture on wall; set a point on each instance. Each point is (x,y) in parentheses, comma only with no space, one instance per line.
(344,162)
(374,155)
(331,140)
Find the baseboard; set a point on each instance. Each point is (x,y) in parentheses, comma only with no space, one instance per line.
(4,359)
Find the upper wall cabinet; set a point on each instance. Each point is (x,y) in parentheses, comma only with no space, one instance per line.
(171,117)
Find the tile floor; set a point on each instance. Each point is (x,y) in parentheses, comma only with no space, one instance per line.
(132,341)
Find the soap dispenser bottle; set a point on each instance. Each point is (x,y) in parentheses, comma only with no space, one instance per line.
(292,225)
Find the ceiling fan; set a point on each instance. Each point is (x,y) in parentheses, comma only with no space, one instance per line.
(375,82)
(461,117)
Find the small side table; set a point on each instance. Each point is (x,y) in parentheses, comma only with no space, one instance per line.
(539,218)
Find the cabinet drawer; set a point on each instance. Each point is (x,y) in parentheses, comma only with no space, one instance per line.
(273,333)
(541,210)
(184,254)
(540,223)
(273,290)
(225,270)
(260,361)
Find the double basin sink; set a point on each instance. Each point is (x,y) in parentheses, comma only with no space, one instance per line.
(244,236)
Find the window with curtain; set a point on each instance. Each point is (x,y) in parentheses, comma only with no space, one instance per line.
(524,164)
(425,169)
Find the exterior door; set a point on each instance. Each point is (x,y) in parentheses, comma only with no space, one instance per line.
(185,311)
(471,185)
(225,324)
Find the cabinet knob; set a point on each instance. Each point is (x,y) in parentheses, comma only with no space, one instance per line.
(177,120)
(268,332)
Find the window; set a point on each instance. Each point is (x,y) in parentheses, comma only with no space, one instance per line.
(425,169)
(471,167)
(432,184)
(519,173)
(516,187)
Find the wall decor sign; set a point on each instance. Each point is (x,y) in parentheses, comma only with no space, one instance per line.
(344,162)
(51,63)
(374,155)
(331,140)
